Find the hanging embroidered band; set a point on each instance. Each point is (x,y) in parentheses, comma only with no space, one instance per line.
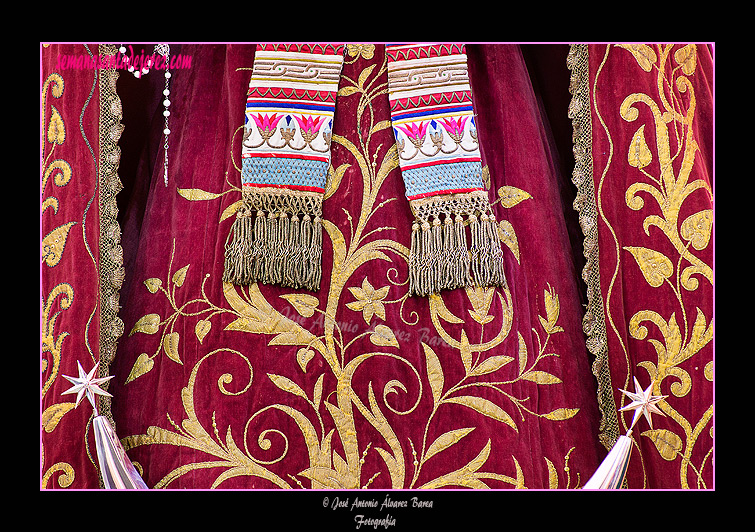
(277,235)
(434,124)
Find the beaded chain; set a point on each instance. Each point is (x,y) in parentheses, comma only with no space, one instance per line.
(162,49)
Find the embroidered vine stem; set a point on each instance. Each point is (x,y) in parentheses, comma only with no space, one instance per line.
(255,315)
(670,189)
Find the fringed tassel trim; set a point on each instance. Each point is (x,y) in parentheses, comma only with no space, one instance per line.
(440,259)
(279,248)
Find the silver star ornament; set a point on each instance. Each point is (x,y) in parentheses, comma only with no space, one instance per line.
(87,385)
(643,402)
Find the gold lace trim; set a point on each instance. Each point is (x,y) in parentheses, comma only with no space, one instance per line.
(111,269)
(594,320)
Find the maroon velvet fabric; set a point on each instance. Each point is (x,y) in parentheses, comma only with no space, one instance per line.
(69,271)
(655,203)
(356,385)
(528,449)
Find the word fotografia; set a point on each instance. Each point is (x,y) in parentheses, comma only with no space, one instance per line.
(374,522)
(124,60)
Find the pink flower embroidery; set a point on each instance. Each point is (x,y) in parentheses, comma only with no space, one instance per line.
(266,121)
(309,124)
(455,128)
(415,132)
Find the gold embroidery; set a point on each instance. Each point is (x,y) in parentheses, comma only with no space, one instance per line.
(53,247)
(368,301)
(661,189)
(333,394)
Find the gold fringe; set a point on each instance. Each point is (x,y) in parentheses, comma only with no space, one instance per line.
(439,258)
(282,247)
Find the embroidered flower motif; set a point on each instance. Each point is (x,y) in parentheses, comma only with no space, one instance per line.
(415,132)
(266,124)
(367,51)
(310,126)
(455,128)
(368,300)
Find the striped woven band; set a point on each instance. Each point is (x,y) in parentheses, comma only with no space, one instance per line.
(433,120)
(277,235)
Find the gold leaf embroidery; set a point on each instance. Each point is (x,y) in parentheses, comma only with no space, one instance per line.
(170,345)
(383,124)
(53,414)
(303,356)
(364,74)
(317,393)
(486,176)
(511,196)
(202,328)
(334,179)
(639,154)
(56,130)
(667,443)
(231,210)
(490,365)
(148,324)
(552,309)
(522,353)
(466,352)
(153,284)
(444,441)
(142,365)
(686,56)
(287,385)
(654,265)
(708,371)
(304,304)
(697,228)
(508,236)
(180,276)
(541,377)
(434,372)
(560,414)
(552,475)
(347,91)
(54,243)
(197,194)
(383,336)
(486,408)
